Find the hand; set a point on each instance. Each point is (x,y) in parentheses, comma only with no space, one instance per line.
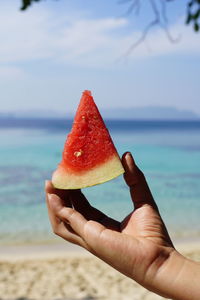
(138,247)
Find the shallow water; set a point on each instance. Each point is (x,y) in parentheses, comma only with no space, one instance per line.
(168,154)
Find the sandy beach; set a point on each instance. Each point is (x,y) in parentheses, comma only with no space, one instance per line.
(63,271)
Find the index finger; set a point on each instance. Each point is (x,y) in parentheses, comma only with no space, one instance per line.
(81,204)
(62,194)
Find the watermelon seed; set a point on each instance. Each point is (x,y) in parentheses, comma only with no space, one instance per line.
(78,153)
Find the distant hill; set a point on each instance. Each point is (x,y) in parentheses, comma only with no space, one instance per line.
(131,113)
(150,113)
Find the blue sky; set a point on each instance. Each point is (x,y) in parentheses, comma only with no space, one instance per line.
(56,49)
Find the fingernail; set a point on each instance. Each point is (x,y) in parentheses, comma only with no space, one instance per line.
(130,155)
(131,159)
(54,202)
(51,199)
(48,196)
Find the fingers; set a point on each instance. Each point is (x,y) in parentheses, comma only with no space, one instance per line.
(140,192)
(49,190)
(63,194)
(59,198)
(75,199)
(81,204)
(105,243)
(59,221)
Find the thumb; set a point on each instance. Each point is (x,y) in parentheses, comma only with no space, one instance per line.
(135,179)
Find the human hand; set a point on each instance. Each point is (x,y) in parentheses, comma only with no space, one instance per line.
(138,247)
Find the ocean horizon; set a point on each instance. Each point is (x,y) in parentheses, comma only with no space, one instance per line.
(168,152)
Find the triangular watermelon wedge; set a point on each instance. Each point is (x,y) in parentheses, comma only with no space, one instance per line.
(89,155)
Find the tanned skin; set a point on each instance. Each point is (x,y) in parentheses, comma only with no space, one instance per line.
(139,246)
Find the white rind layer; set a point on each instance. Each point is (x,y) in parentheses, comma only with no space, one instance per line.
(62,179)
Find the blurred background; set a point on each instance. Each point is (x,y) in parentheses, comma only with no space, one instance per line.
(141,62)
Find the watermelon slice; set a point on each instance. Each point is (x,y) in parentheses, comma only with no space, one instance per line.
(89,155)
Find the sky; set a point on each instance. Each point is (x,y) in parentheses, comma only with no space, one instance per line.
(53,51)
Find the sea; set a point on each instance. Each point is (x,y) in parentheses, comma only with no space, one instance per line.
(168,153)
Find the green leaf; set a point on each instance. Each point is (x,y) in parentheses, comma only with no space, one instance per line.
(189,18)
(196,15)
(190,3)
(25,4)
(196,27)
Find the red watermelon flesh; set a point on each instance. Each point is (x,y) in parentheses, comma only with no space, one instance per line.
(89,155)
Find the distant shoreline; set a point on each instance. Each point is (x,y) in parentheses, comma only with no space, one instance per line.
(59,247)
(122,124)
(62,248)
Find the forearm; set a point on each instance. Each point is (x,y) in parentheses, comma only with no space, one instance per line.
(188,281)
(182,278)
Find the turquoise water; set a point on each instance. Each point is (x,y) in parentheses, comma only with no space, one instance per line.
(169,157)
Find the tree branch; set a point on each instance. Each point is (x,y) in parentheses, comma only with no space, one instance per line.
(135,5)
(160,19)
(164,11)
(193,14)
(27,3)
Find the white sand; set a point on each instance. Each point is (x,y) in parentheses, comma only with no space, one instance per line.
(55,272)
